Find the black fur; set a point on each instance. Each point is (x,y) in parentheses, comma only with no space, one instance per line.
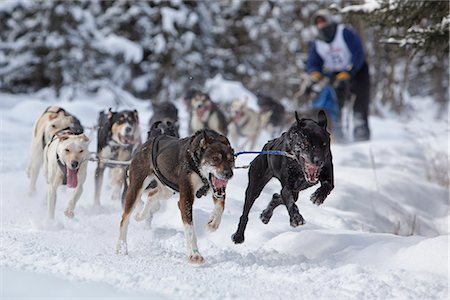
(167,113)
(267,103)
(309,141)
(106,121)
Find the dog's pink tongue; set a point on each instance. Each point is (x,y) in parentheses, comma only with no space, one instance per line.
(219,183)
(72,178)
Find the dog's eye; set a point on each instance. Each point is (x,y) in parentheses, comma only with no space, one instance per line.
(324,144)
(67,150)
(81,151)
(216,158)
(53,126)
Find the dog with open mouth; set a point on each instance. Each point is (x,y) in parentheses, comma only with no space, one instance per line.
(118,135)
(310,162)
(206,114)
(52,120)
(191,166)
(65,163)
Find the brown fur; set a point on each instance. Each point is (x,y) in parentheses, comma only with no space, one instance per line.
(213,154)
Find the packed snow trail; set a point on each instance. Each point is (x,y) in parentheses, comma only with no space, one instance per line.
(358,244)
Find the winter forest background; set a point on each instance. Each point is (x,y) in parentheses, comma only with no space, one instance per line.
(158,49)
(383,232)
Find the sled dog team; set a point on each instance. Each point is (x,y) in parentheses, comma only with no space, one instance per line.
(192,166)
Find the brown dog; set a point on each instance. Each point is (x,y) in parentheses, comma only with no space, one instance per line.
(190,166)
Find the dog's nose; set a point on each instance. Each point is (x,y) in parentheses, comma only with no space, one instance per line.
(228,173)
(127,129)
(74,164)
(317,160)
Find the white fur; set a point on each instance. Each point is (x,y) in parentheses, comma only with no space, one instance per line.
(78,150)
(48,124)
(121,247)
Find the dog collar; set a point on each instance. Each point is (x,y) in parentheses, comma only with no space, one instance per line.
(194,162)
(63,169)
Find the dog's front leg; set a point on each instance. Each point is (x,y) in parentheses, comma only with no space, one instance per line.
(34,167)
(216,215)
(326,185)
(185,205)
(99,171)
(289,198)
(71,206)
(69,212)
(51,199)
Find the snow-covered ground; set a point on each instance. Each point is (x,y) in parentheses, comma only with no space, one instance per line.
(382,233)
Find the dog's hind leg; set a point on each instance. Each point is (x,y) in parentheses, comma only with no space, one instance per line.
(51,200)
(289,198)
(268,212)
(258,177)
(138,182)
(152,205)
(34,167)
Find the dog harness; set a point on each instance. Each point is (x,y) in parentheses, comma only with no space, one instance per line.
(63,169)
(53,112)
(193,163)
(158,173)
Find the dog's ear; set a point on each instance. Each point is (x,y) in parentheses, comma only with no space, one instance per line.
(205,140)
(300,122)
(110,113)
(297,118)
(84,138)
(322,117)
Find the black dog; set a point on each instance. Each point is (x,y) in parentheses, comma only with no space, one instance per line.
(167,113)
(309,143)
(118,135)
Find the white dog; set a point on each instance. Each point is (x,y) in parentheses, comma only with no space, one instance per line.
(246,123)
(65,162)
(53,120)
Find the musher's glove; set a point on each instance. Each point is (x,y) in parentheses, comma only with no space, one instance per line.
(341,76)
(342,81)
(313,85)
(315,76)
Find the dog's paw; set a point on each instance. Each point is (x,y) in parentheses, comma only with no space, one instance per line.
(213,223)
(69,213)
(318,197)
(31,192)
(121,248)
(139,217)
(237,238)
(196,259)
(265,216)
(297,220)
